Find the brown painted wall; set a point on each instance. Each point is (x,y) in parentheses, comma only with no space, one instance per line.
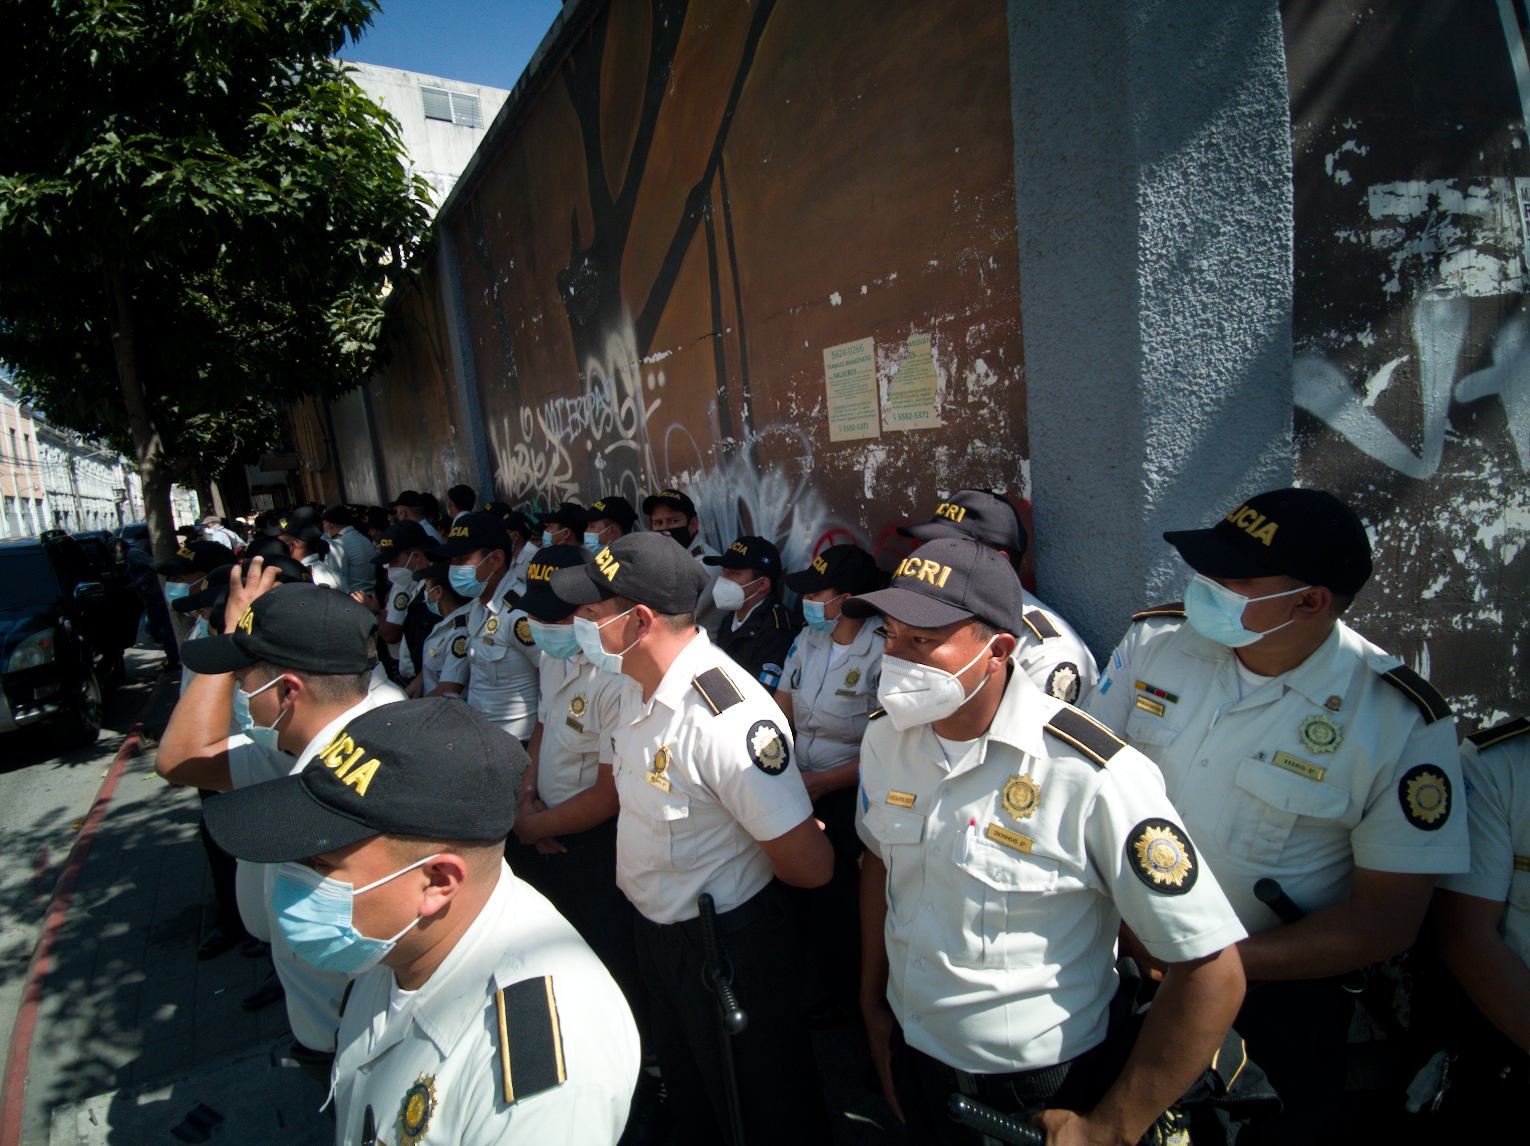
(1413,349)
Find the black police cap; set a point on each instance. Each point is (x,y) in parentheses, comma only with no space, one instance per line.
(430,769)
(199,556)
(214,591)
(305,627)
(848,568)
(949,580)
(1308,534)
(539,600)
(470,533)
(672,498)
(617,509)
(400,537)
(976,513)
(650,569)
(749,553)
(569,514)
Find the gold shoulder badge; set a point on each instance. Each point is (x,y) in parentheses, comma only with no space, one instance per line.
(1161,856)
(415,1111)
(657,769)
(852,678)
(459,645)
(767,748)
(1321,733)
(1425,795)
(1021,795)
(492,627)
(400,601)
(523,632)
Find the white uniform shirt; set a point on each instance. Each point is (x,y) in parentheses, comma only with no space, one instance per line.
(1498,800)
(831,702)
(446,651)
(521,562)
(1052,654)
(436,1067)
(578,712)
(1313,773)
(313,996)
(505,664)
(322,571)
(394,612)
(698,788)
(1008,877)
(707,612)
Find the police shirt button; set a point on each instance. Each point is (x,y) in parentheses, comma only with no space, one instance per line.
(1204,763)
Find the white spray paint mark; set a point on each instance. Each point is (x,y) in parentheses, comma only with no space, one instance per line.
(1432,589)
(834,299)
(1508,378)
(1449,239)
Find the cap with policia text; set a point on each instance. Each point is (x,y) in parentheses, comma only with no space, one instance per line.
(400,537)
(432,769)
(470,533)
(670,497)
(539,600)
(848,568)
(975,513)
(617,509)
(650,569)
(305,627)
(948,580)
(214,591)
(569,514)
(749,553)
(1304,533)
(195,557)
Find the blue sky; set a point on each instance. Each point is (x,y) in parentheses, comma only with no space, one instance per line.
(477,41)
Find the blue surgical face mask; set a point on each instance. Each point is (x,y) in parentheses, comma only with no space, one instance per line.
(813,614)
(261,734)
(199,630)
(556,641)
(546,538)
(313,914)
(592,541)
(433,603)
(175,590)
(587,633)
(1216,612)
(464,579)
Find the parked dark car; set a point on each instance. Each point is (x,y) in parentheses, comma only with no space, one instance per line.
(58,637)
(124,608)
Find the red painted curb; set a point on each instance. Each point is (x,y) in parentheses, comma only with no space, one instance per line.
(18,1059)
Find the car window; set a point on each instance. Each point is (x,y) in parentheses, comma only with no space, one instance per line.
(27,580)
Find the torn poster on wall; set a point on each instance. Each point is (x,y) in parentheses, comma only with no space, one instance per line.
(850,377)
(913,389)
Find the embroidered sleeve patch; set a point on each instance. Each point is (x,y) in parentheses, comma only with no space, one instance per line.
(1425,794)
(523,632)
(459,645)
(1063,682)
(1161,856)
(768,750)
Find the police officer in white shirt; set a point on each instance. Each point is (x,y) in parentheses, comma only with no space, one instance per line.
(1050,652)
(525,540)
(356,554)
(444,661)
(828,690)
(607,519)
(401,552)
(564,525)
(477,1015)
(709,803)
(1009,835)
(1481,928)
(673,512)
(303,657)
(1295,750)
(505,665)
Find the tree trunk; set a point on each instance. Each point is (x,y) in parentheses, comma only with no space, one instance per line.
(148,447)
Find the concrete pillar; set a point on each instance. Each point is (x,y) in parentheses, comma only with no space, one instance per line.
(1153,193)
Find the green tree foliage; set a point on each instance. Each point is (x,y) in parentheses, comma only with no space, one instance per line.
(200,217)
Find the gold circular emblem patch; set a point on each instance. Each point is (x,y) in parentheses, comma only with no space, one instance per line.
(852,678)
(1425,794)
(1321,733)
(492,627)
(459,645)
(660,761)
(523,632)
(1161,857)
(415,1111)
(767,748)
(401,601)
(576,706)
(1021,794)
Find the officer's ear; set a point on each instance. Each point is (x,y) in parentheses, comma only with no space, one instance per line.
(447,874)
(1003,647)
(1316,604)
(647,620)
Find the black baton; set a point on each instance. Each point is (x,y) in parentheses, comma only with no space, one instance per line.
(1269,892)
(730,1016)
(986,1120)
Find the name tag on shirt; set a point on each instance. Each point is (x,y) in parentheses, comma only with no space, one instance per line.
(1305,768)
(1148,704)
(900,799)
(574,724)
(658,780)
(1008,838)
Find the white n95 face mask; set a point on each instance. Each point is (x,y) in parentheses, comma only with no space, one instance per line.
(915,694)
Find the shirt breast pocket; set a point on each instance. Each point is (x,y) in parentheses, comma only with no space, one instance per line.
(898,834)
(666,837)
(1149,731)
(1267,804)
(998,893)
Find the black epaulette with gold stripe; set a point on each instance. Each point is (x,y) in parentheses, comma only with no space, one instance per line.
(781,618)
(1425,697)
(460,622)
(1508,730)
(1083,732)
(530,1040)
(1174,609)
(1036,621)
(718,690)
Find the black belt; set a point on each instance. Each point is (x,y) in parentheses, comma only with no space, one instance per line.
(757,906)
